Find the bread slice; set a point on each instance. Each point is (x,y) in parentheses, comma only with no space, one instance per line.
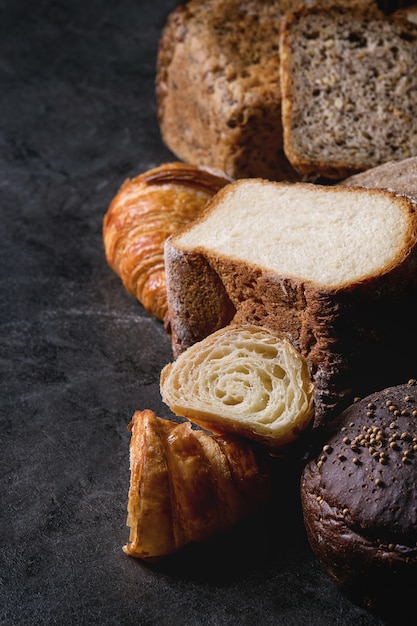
(332,268)
(349,89)
(217,86)
(399,176)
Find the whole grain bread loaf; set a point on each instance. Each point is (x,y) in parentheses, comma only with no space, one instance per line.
(349,89)
(217,86)
(333,268)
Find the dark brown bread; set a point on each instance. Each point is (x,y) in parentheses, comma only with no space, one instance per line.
(359,499)
(349,89)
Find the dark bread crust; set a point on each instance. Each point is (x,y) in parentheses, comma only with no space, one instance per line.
(355,338)
(359,498)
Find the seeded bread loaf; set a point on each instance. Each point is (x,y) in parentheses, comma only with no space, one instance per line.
(333,268)
(359,500)
(349,89)
(217,86)
(399,176)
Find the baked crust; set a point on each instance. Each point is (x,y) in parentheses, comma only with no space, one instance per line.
(359,499)
(348,85)
(144,212)
(399,176)
(187,485)
(342,331)
(217,86)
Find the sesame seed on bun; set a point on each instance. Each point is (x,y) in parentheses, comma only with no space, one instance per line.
(359,499)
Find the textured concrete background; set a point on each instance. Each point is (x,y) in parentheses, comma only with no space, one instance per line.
(78,355)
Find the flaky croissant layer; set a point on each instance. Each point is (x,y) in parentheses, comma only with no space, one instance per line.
(187,485)
(242,379)
(144,212)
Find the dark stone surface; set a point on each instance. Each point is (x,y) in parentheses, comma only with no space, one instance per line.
(78,355)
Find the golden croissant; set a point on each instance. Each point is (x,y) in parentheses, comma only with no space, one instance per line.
(145,211)
(187,485)
(243,379)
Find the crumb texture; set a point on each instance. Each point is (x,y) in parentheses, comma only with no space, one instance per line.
(313,234)
(349,90)
(243,379)
(326,266)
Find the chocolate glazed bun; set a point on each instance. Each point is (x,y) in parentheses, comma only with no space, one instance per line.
(359,499)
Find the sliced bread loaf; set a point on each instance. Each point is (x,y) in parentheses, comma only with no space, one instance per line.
(408,12)
(333,268)
(349,89)
(217,86)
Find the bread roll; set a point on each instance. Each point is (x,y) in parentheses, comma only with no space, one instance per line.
(359,499)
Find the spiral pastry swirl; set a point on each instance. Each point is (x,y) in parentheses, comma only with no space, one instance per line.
(242,379)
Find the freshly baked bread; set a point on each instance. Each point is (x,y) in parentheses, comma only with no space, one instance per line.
(331,267)
(245,380)
(349,89)
(399,176)
(144,212)
(217,86)
(187,485)
(359,499)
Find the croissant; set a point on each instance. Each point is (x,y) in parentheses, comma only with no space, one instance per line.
(187,485)
(145,211)
(242,379)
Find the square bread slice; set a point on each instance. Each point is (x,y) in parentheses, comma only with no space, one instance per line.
(349,89)
(333,268)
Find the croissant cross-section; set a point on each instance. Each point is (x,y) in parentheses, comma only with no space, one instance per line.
(243,379)
(187,485)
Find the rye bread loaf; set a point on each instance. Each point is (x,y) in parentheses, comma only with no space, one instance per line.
(217,86)
(349,89)
(399,176)
(332,268)
(359,500)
